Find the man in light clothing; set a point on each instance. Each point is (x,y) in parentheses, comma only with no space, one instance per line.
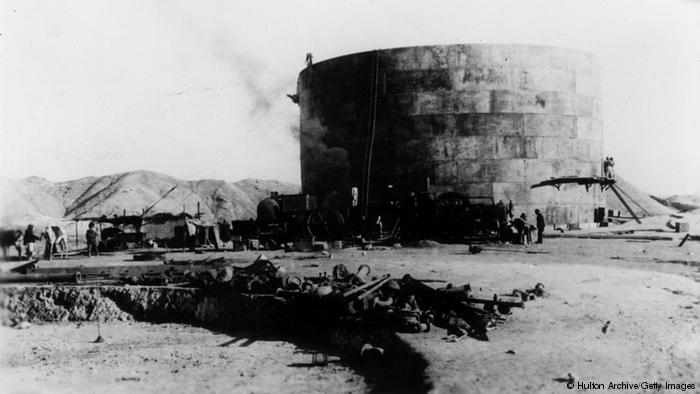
(60,241)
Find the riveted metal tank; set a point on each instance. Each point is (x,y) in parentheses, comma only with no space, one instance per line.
(485,120)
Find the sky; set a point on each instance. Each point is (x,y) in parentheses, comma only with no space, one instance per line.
(197,89)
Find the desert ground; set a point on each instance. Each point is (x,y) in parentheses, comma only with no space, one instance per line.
(648,291)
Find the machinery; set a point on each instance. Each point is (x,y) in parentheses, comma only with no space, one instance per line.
(451,215)
(114,238)
(285,218)
(458,215)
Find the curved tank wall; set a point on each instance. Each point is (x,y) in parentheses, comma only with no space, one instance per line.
(486,120)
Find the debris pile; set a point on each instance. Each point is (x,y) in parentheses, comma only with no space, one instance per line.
(402,304)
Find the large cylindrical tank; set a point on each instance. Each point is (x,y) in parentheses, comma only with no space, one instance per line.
(485,120)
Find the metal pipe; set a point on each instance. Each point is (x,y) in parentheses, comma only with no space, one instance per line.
(372,119)
(373,288)
(41,278)
(622,200)
(511,304)
(456,289)
(365,286)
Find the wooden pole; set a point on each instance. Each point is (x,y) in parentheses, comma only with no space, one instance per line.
(622,200)
(99,328)
(76,234)
(184,229)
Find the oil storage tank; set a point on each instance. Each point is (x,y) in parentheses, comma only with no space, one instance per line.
(484,120)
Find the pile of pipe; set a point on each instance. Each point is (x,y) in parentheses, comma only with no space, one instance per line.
(402,304)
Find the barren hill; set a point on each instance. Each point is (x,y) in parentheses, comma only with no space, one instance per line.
(28,200)
(637,199)
(683,203)
(38,200)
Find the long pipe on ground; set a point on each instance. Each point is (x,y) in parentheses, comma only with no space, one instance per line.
(41,278)
(611,236)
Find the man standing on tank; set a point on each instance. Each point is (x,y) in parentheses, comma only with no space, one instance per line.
(611,168)
(540,225)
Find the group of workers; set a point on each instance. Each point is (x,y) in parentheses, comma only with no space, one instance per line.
(517,229)
(55,241)
(524,229)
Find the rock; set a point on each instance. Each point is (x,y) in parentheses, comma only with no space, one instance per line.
(475,249)
(425,244)
(23,325)
(371,354)
(129,378)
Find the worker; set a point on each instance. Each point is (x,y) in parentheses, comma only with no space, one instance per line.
(540,225)
(91,239)
(225,233)
(19,236)
(30,241)
(510,208)
(611,169)
(49,238)
(60,241)
(527,231)
(523,228)
(519,226)
(309,59)
(191,234)
(379,226)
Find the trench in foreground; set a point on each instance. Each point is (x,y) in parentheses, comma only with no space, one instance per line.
(399,369)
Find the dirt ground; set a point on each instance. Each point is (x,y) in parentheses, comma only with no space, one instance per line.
(648,291)
(144,357)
